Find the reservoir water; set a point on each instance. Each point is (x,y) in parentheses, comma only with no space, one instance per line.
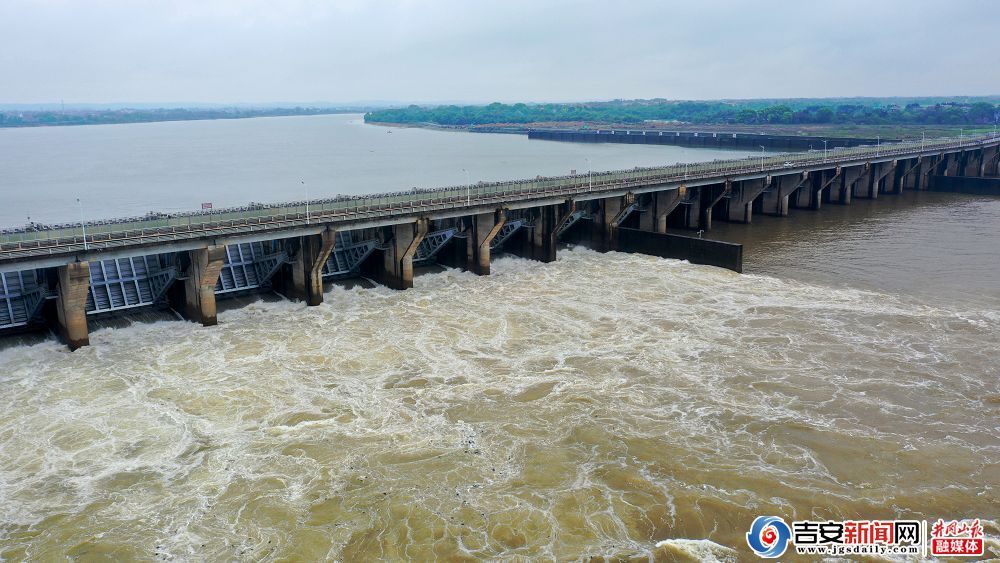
(129,170)
(602,405)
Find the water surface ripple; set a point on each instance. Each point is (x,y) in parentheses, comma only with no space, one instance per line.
(616,405)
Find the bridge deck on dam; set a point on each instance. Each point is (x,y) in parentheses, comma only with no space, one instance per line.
(59,275)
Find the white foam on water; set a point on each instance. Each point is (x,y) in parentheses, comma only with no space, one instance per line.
(697,550)
(550,410)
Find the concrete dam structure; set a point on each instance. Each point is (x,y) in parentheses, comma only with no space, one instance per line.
(59,277)
(702,139)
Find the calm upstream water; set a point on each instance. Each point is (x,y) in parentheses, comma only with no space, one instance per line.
(602,405)
(129,170)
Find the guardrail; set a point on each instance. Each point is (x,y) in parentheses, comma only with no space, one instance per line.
(42,240)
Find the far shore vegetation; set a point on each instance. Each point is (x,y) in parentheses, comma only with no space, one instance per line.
(40,118)
(890,117)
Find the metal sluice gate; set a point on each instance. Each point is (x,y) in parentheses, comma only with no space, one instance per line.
(506,231)
(249,266)
(432,244)
(21,297)
(347,256)
(125,283)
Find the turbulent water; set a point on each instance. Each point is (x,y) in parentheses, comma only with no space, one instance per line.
(616,405)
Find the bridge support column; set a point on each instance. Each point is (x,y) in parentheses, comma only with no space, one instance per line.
(865,186)
(199,288)
(305,278)
(889,174)
(991,162)
(953,164)
(925,170)
(740,207)
(842,189)
(397,260)
(909,178)
(606,220)
(485,227)
(692,207)
(776,200)
(661,205)
(710,196)
(972,163)
(542,240)
(71,304)
(802,198)
(826,183)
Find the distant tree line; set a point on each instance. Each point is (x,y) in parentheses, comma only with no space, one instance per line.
(849,111)
(11,118)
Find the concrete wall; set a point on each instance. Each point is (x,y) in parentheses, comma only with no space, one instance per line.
(965,185)
(699,139)
(695,250)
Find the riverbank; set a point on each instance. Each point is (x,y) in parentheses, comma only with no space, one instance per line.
(20,119)
(904,132)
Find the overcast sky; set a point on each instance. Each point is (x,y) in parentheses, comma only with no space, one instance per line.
(226,51)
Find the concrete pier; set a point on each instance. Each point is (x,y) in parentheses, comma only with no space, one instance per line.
(657,208)
(71,303)
(541,240)
(483,229)
(397,259)
(740,199)
(776,199)
(199,287)
(608,215)
(304,275)
(690,214)
(990,162)
(710,197)
(842,188)
(828,181)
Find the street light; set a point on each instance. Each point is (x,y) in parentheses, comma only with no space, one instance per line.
(83,225)
(307,200)
(468,187)
(824,150)
(761,158)
(590,176)
(878,144)
(923,137)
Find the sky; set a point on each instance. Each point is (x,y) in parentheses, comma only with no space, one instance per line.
(480,51)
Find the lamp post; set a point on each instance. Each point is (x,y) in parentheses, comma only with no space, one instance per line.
(306,186)
(824,150)
(590,176)
(878,144)
(468,187)
(761,158)
(923,137)
(83,224)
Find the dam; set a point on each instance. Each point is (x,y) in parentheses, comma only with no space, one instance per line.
(56,277)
